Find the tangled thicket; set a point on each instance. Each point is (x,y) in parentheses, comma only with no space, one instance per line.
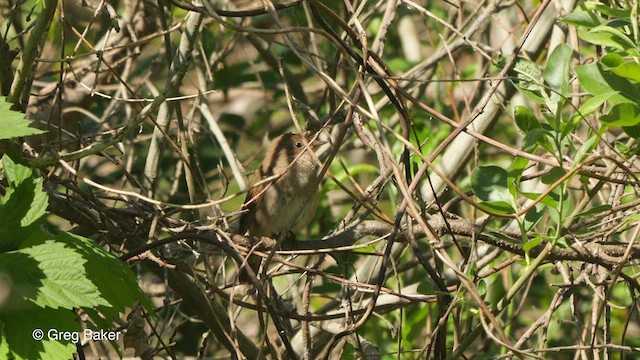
(480,193)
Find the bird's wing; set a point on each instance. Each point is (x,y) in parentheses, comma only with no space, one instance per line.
(255,194)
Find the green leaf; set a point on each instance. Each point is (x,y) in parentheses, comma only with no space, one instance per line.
(622,148)
(595,211)
(38,207)
(633,131)
(553,175)
(489,184)
(613,12)
(414,323)
(527,78)
(114,280)
(605,36)
(595,102)
(20,325)
(556,74)
(525,119)
(12,123)
(515,174)
(586,148)
(563,243)
(621,67)
(4,347)
(533,95)
(23,205)
(497,207)
(533,216)
(551,200)
(583,18)
(16,173)
(482,288)
(622,115)
(595,80)
(527,246)
(629,70)
(64,271)
(50,275)
(542,137)
(527,73)
(612,60)
(620,40)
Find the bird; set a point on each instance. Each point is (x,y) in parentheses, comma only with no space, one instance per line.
(270,205)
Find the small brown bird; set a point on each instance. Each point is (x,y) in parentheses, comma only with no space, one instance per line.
(271,210)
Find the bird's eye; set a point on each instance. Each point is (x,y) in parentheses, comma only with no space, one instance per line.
(298,144)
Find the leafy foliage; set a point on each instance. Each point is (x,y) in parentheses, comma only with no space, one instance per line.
(12,123)
(41,274)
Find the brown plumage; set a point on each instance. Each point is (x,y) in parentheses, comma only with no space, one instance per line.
(271,210)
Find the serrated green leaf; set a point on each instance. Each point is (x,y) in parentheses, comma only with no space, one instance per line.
(115,281)
(15,172)
(38,206)
(23,205)
(68,271)
(14,207)
(4,347)
(20,325)
(51,275)
(12,123)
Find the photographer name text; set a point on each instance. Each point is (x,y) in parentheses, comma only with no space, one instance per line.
(75,336)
